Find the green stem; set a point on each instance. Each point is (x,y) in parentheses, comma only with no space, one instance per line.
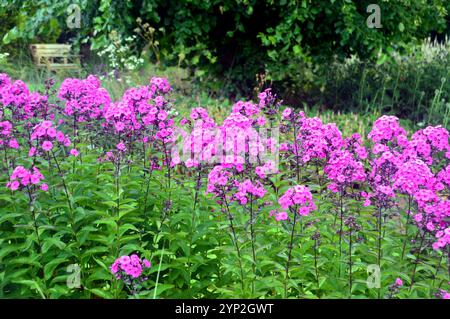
(289,255)
(253,240)
(315,264)
(406,227)
(230,219)
(350,264)
(159,271)
(194,213)
(379,244)
(118,207)
(341,217)
(417,261)
(71,212)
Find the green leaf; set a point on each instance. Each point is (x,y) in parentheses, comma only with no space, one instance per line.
(50,267)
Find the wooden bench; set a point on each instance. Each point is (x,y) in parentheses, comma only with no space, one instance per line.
(55,57)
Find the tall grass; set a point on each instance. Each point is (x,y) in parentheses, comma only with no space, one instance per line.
(414,85)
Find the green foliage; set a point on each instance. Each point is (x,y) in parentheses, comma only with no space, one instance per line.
(235,39)
(103,215)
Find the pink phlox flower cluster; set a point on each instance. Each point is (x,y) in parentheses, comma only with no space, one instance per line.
(413,175)
(429,142)
(425,198)
(398,282)
(109,156)
(143,111)
(246,188)
(343,170)
(22,177)
(40,107)
(443,239)
(44,135)
(131,266)
(383,170)
(132,112)
(444,176)
(354,144)
(266,98)
(15,94)
(121,147)
(279,216)
(316,140)
(200,114)
(159,86)
(237,138)
(443,294)
(247,109)
(433,216)
(121,117)
(218,179)
(387,129)
(5,81)
(84,99)
(74,152)
(238,120)
(223,186)
(298,197)
(268,168)
(200,145)
(184,121)
(288,113)
(17,97)
(159,112)
(6,137)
